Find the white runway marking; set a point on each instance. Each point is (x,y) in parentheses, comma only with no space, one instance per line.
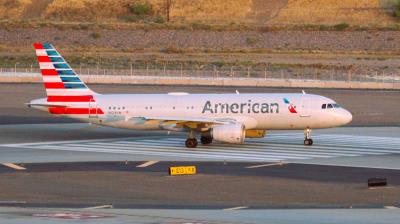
(391,207)
(235,208)
(265,165)
(148,163)
(100,207)
(273,148)
(14,166)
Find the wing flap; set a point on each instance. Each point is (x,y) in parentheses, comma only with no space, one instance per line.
(184,122)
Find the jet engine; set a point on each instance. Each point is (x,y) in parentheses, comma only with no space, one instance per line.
(230,133)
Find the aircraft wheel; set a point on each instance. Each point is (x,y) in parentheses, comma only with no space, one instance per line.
(191,143)
(308,141)
(206,140)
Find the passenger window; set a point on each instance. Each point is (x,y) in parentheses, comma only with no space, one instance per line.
(330,106)
(324,106)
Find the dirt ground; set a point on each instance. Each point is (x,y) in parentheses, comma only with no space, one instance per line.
(206,39)
(297,53)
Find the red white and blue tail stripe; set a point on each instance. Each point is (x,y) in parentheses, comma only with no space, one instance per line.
(62,84)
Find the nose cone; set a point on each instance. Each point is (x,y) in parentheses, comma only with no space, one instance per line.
(344,117)
(340,117)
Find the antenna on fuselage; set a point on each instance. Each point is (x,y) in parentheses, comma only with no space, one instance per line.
(304,92)
(237,92)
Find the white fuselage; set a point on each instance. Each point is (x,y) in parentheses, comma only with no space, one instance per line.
(254,111)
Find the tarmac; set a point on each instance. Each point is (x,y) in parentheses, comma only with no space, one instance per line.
(371,147)
(160,216)
(46,165)
(53,169)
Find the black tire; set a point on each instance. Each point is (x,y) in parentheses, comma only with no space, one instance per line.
(205,140)
(191,143)
(308,141)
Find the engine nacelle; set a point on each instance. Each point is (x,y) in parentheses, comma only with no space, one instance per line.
(229,133)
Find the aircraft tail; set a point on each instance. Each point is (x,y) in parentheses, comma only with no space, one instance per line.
(60,80)
(62,84)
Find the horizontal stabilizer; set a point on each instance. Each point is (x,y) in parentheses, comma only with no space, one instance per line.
(44,105)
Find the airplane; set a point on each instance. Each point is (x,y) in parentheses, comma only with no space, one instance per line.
(227,118)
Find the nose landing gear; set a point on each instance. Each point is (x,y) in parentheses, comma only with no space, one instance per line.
(307,137)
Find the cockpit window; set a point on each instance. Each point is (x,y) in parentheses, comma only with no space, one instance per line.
(330,105)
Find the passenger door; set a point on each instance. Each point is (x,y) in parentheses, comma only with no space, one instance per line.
(305,106)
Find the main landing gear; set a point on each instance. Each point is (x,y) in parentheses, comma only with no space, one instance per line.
(307,137)
(205,139)
(191,141)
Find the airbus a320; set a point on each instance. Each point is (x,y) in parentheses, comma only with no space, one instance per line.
(228,118)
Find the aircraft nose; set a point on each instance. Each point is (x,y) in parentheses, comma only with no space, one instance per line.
(342,116)
(346,117)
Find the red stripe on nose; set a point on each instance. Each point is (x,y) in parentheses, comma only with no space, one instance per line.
(54,85)
(86,98)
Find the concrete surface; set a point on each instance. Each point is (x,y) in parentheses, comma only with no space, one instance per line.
(160,216)
(335,171)
(379,147)
(216,185)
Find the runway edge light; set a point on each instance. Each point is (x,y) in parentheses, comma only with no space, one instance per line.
(182,170)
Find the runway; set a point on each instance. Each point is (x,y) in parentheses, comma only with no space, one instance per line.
(50,162)
(144,216)
(332,147)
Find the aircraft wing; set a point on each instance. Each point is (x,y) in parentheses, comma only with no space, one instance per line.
(175,123)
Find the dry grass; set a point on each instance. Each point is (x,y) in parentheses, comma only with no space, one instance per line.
(211,10)
(222,12)
(332,11)
(181,10)
(79,10)
(13,9)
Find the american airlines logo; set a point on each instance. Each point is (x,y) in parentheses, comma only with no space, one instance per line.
(240,108)
(291,108)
